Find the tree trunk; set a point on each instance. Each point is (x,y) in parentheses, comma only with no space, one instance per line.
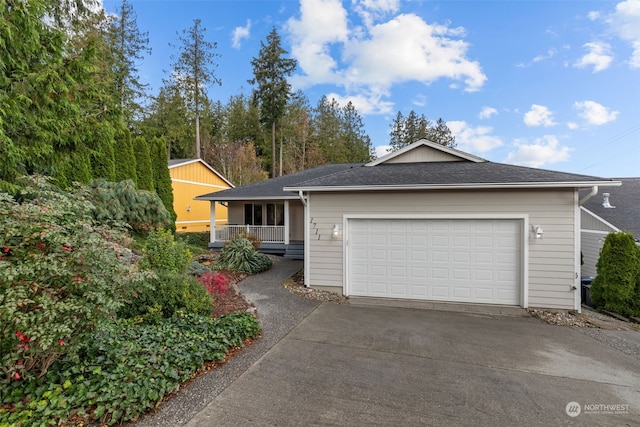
(197,136)
(273,149)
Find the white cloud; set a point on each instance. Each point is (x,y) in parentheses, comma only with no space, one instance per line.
(573,125)
(594,113)
(542,151)
(382,150)
(487,112)
(550,54)
(239,34)
(539,115)
(599,56)
(379,55)
(365,103)
(371,10)
(625,23)
(473,139)
(593,15)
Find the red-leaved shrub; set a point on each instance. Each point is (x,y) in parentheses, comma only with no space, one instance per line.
(215,283)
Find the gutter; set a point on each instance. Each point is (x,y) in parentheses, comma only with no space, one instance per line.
(593,192)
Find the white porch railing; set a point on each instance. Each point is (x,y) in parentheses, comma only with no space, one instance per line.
(266,233)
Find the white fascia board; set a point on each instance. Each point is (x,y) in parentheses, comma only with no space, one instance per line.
(247,199)
(471,186)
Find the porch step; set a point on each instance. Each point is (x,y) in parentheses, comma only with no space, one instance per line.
(295,251)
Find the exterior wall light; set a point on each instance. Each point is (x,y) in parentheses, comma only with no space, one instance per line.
(537,232)
(335,233)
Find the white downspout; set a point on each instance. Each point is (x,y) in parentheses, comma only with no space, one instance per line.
(594,191)
(307,263)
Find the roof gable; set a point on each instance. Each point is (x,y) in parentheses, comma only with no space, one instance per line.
(626,199)
(425,151)
(176,163)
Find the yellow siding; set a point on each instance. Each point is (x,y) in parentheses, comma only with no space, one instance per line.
(189,181)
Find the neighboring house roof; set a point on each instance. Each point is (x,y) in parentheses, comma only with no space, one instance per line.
(173,163)
(626,199)
(273,188)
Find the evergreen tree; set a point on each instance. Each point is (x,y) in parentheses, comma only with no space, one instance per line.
(41,81)
(144,171)
(357,142)
(193,71)
(169,119)
(161,176)
(125,160)
(327,123)
(270,70)
(128,46)
(407,130)
(296,132)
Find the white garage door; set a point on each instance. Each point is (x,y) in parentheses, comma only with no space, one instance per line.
(475,261)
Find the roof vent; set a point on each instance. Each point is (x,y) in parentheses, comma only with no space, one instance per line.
(605,202)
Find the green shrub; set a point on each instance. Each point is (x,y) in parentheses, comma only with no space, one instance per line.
(616,286)
(197,269)
(125,369)
(164,253)
(62,275)
(168,293)
(120,201)
(240,255)
(199,239)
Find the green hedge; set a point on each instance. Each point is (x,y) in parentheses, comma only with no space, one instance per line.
(124,370)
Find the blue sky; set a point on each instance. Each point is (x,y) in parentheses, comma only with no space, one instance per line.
(547,84)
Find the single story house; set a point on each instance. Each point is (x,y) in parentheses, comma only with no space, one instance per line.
(190,178)
(616,209)
(425,222)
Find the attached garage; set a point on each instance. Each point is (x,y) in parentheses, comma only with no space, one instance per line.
(458,260)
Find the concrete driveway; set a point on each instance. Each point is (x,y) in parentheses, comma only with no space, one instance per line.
(352,365)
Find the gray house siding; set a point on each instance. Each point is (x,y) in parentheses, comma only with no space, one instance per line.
(551,262)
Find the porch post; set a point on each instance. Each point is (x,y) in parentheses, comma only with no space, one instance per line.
(212,219)
(286,222)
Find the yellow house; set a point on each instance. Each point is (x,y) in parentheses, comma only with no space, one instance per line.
(189,179)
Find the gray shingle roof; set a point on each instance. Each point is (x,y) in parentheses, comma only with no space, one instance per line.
(173,162)
(626,199)
(273,188)
(441,174)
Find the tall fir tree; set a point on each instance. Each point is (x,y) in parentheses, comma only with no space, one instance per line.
(270,70)
(193,71)
(128,46)
(357,142)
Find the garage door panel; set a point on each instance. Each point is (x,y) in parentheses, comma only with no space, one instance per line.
(445,260)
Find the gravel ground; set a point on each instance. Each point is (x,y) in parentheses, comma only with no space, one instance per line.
(279,311)
(603,328)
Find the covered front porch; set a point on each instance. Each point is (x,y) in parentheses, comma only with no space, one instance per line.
(277,224)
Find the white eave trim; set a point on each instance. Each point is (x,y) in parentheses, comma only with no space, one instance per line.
(470,186)
(246,199)
(457,153)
